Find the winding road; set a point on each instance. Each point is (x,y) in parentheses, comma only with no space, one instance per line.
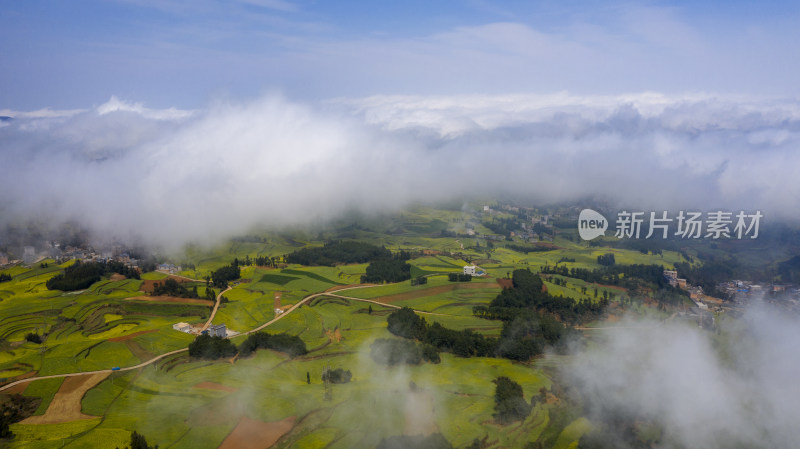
(208,323)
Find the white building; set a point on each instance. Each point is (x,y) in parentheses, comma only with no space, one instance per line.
(183,327)
(469,269)
(29,255)
(217,330)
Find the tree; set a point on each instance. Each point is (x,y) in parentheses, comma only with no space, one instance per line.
(308,377)
(406,323)
(606,259)
(509,403)
(211,348)
(222,276)
(394,352)
(337,376)
(289,344)
(138,441)
(34,338)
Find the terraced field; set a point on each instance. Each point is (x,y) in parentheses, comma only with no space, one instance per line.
(183,403)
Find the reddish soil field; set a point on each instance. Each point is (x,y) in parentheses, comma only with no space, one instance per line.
(613,287)
(505,283)
(66,404)
(214,386)
(255,434)
(147,285)
(203,302)
(17,389)
(135,334)
(434,291)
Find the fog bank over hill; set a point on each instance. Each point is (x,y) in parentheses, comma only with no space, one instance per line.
(172,176)
(734,389)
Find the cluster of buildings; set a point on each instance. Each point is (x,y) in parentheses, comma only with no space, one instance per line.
(784,295)
(699,313)
(740,292)
(214,330)
(168,268)
(744,289)
(30,254)
(695,292)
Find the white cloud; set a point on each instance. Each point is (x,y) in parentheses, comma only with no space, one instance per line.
(114,104)
(41,113)
(174,176)
(279,5)
(737,389)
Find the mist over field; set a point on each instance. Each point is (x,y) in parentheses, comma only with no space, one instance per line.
(172,176)
(734,389)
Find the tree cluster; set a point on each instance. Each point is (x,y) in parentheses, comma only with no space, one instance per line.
(459,277)
(171,287)
(606,259)
(419,280)
(211,348)
(527,296)
(521,338)
(509,403)
(5,277)
(525,249)
(34,338)
(290,344)
(339,252)
(14,408)
(789,270)
(138,441)
(79,275)
(337,376)
(713,272)
(387,270)
(627,276)
(389,351)
(222,276)
(502,226)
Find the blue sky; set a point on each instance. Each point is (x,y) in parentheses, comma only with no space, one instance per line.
(186,54)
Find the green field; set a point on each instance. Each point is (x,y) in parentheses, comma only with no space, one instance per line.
(99,328)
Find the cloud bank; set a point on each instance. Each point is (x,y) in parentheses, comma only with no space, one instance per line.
(735,390)
(173,176)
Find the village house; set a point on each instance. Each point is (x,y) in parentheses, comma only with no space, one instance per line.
(217,330)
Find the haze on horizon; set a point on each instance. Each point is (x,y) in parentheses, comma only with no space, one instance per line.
(180,121)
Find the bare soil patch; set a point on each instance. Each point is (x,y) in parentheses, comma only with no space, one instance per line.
(17,389)
(254,434)
(505,283)
(613,287)
(174,299)
(66,404)
(117,277)
(148,284)
(138,351)
(215,386)
(135,334)
(434,291)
